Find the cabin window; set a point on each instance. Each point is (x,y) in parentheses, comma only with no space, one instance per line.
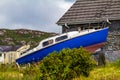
(46,43)
(61,38)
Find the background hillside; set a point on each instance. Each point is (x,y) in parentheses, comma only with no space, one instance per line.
(22,36)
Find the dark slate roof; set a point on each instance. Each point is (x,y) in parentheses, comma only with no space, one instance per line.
(8,48)
(91,11)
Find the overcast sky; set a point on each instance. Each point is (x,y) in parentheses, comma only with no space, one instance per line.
(33,14)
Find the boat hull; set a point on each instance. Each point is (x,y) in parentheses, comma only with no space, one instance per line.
(94,47)
(89,41)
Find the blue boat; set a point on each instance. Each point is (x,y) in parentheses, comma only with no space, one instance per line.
(91,39)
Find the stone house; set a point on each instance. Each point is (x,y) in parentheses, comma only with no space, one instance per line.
(91,13)
(11,56)
(84,14)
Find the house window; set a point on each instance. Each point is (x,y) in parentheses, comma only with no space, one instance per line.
(61,38)
(4,55)
(0,55)
(46,43)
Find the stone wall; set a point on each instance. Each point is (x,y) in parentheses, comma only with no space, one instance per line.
(112,47)
(113,41)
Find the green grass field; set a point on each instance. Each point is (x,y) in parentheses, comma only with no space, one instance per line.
(109,72)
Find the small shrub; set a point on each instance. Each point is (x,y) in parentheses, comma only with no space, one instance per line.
(66,64)
(117,63)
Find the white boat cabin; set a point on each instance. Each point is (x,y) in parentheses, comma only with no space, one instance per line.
(56,39)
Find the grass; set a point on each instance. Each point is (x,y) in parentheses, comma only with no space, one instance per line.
(109,72)
(12,75)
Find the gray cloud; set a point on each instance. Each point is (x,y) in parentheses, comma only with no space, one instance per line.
(32,14)
(70,0)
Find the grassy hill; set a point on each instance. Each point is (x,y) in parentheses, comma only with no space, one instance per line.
(22,36)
